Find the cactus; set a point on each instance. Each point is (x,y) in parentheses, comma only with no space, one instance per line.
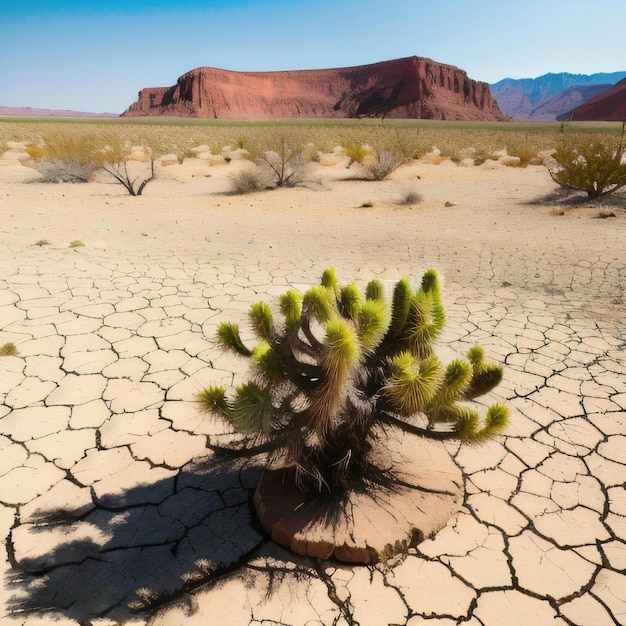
(339,368)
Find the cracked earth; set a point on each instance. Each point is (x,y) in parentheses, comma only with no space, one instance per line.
(114,509)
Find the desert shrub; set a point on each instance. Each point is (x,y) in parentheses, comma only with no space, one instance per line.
(357,153)
(114,159)
(246,180)
(310,153)
(65,159)
(59,171)
(282,164)
(524,153)
(73,158)
(8,349)
(419,151)
(596,168)
(410,197)
(482,156)
(183,149)
(386,164)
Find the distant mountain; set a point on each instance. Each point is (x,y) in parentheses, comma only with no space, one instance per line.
(568,99)
(608,106)
(30,112)
(524,98)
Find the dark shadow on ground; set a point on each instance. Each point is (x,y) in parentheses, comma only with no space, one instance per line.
(113,560)
(573,198)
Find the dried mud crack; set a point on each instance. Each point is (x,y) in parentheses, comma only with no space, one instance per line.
(117,505)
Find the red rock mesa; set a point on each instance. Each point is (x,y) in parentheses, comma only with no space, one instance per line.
(412,87)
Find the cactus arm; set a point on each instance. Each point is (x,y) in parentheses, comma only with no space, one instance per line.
(373,322)
(341,352)
(412,384)
(455,380)
(252,409)
(374,290)
(228,335)
(485,377)
(329,281)
(262,321)
(400,309)
(425,322)
(462,423)
(291,308)
(300,363)
(213,400)
(441,435)
(350,301)
(317,304)
(268,363)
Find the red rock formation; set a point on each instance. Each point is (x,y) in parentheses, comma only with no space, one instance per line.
(412,87)
(609,106)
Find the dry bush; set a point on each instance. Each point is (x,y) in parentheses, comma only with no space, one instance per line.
(281,162)
(405,138)
(65,159)
(247,180)
(596,168)
(524,153)
(357,153)
(60,171)
(410,197)
(114,159)
(386,164)
(482,156)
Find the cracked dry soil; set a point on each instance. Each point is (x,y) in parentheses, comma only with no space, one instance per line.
(114,510)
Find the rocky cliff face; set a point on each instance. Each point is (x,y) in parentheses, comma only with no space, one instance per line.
(413,87)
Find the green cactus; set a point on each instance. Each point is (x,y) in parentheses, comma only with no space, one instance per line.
(338,367)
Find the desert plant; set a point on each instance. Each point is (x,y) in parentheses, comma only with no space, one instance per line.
(246,180)
(340,367)
(282,164)
(596,168)
(523,152)
(61,158)
(410,197)
(357,153)
(180,149)
(77,243)
(8,349)
(386,163)
(482,156)
(114,159)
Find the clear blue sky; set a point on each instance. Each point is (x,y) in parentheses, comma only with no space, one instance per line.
(95,56)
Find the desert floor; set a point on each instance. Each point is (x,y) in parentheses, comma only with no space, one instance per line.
(110,501)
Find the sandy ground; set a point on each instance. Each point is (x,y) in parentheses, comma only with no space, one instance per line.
(115,336)
(492,214)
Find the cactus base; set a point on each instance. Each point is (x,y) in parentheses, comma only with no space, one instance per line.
(426,493)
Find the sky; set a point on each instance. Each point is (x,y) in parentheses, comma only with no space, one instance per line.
(95,56)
